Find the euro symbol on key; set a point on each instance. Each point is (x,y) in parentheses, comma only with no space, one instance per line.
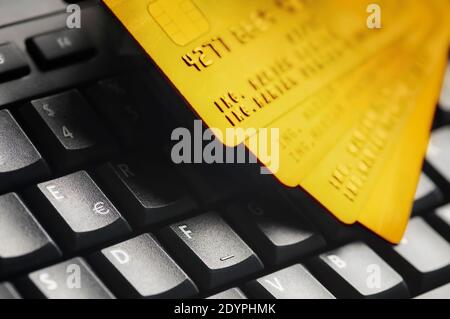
(99,208)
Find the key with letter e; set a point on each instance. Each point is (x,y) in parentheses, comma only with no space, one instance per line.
(77,211)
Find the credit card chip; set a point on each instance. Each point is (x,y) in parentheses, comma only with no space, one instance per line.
(181,20)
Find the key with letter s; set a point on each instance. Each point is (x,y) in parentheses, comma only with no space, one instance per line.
(72,279)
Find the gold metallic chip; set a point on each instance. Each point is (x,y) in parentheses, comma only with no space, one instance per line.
(181,20)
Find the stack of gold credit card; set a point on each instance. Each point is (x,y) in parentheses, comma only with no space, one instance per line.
(351,86)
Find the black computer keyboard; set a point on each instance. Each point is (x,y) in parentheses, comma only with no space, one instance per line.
(87,188)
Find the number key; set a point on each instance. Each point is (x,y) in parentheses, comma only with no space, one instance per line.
(12,62)
(67,128)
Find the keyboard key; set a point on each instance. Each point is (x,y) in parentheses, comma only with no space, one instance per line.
(442,292)
(427,195)
(438,154)
(334,230)
(356,271)
(67,129)
(212,185)
(12,62)
(275,233)
(444,101)
(72,279)
(440,219)
(294,282)
(147,190)
(7,291)
(125,104)
(423,256)
(140,268)
(20,162)
(59,48)
(211,250)
(77,211)
(233,293)
(23,242)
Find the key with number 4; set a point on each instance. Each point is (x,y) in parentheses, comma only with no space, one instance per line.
(67,129)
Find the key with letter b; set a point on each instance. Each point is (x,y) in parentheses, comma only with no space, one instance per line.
(355,271)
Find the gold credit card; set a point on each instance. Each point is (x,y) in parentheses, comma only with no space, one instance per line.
(220,56)
(348,100)
(359,150)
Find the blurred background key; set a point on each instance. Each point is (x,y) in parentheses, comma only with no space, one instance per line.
(422,257)
(427,197)
(294,282)
(356,271)
(275,233)
(7,291)
(24,243)
(148,191)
